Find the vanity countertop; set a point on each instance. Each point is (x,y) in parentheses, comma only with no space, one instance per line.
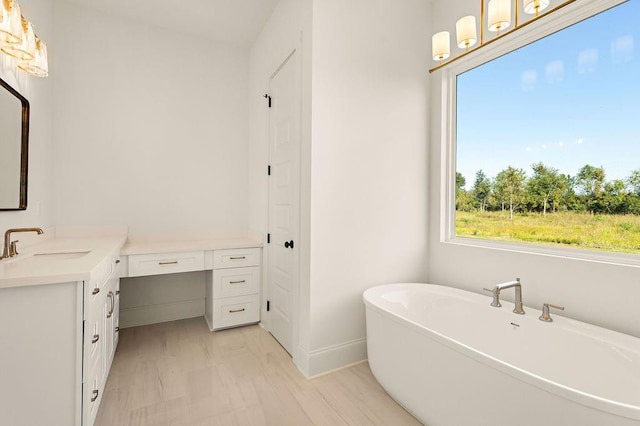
(174,245)
(59,260)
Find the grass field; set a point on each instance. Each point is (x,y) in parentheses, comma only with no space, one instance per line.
(617,233)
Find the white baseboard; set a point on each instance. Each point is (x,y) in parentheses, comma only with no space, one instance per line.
(331,358)
(152,314)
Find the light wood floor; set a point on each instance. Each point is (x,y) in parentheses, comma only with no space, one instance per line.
(179,373)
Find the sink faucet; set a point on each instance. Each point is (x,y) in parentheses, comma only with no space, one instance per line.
(496,294)
(10,246)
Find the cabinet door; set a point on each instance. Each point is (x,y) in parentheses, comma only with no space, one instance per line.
(109,332)
(116,318)
(111,321)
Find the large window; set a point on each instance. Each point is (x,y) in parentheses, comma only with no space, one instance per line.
(548,139)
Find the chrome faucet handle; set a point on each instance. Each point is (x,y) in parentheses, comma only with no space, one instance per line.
(496,296)
(545,312)
(13,249)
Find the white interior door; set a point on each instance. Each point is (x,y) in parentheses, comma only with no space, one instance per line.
(284,200)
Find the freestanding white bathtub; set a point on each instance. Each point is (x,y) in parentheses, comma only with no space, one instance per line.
(452,360)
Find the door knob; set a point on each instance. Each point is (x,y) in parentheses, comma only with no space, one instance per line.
(288,244)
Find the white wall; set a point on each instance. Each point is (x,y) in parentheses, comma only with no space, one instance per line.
(151,131)
(369,164)
(600,293)
(39,92)
(364,159)
(151,126)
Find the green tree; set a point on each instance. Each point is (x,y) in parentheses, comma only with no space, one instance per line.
(634,182)
(463,200)
(590,182)
(510,185)
(614,196)
(481,190)
(545,185)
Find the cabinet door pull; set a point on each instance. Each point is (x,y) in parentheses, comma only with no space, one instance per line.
(237,282)
(117,292)
(173,262)
(117,329)
(236,311)
(96,392)
(237,257)
(112,307)
(95,291)
(117,260)
(95,339)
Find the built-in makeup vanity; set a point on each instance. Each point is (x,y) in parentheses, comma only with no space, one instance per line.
(60,311)
(232,268)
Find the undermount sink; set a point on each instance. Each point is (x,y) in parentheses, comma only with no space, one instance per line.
(60,255)
(46,256)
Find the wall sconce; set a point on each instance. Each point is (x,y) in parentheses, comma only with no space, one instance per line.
(498,18)
(18,39)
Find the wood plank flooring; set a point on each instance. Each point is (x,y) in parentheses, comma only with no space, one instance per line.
(179,373)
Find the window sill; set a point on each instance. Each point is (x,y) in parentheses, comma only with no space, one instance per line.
(585,255)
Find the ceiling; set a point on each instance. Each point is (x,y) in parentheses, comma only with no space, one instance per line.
(237,22)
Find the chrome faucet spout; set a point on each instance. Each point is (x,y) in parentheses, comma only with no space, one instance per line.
(518,309)
(9,248)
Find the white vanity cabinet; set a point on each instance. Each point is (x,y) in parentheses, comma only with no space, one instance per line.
(57,343)
(233,288)
(101,335)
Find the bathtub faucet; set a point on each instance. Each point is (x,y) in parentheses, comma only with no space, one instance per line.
(496,294)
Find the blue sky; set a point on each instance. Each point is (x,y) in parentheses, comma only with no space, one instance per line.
(570,99)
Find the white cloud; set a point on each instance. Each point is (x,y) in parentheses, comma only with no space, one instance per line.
(555,71)
(529,79)
(561,144)
(588,61)
(580,141)
(528,149)
(622,49)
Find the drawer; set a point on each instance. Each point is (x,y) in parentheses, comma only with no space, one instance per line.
(233,311)
(93,388)
(236,282)
(236,258)
(165,263)
(94,339)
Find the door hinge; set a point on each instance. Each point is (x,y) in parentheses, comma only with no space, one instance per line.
(268,306)
(268,98)
(268,238)
(269,170)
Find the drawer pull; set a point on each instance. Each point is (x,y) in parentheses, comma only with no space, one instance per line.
(95,392)
(237,282)
(95,339)
(236,311)
(117,292)
(238,257)
(113,304)
(117,260)
(117,329)
(95,291)
(173,262)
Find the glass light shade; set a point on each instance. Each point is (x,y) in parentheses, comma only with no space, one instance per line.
(39,65)
(467,34)
(535,6)
(441,46)
(10,22)
(26,49)
(499,14)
